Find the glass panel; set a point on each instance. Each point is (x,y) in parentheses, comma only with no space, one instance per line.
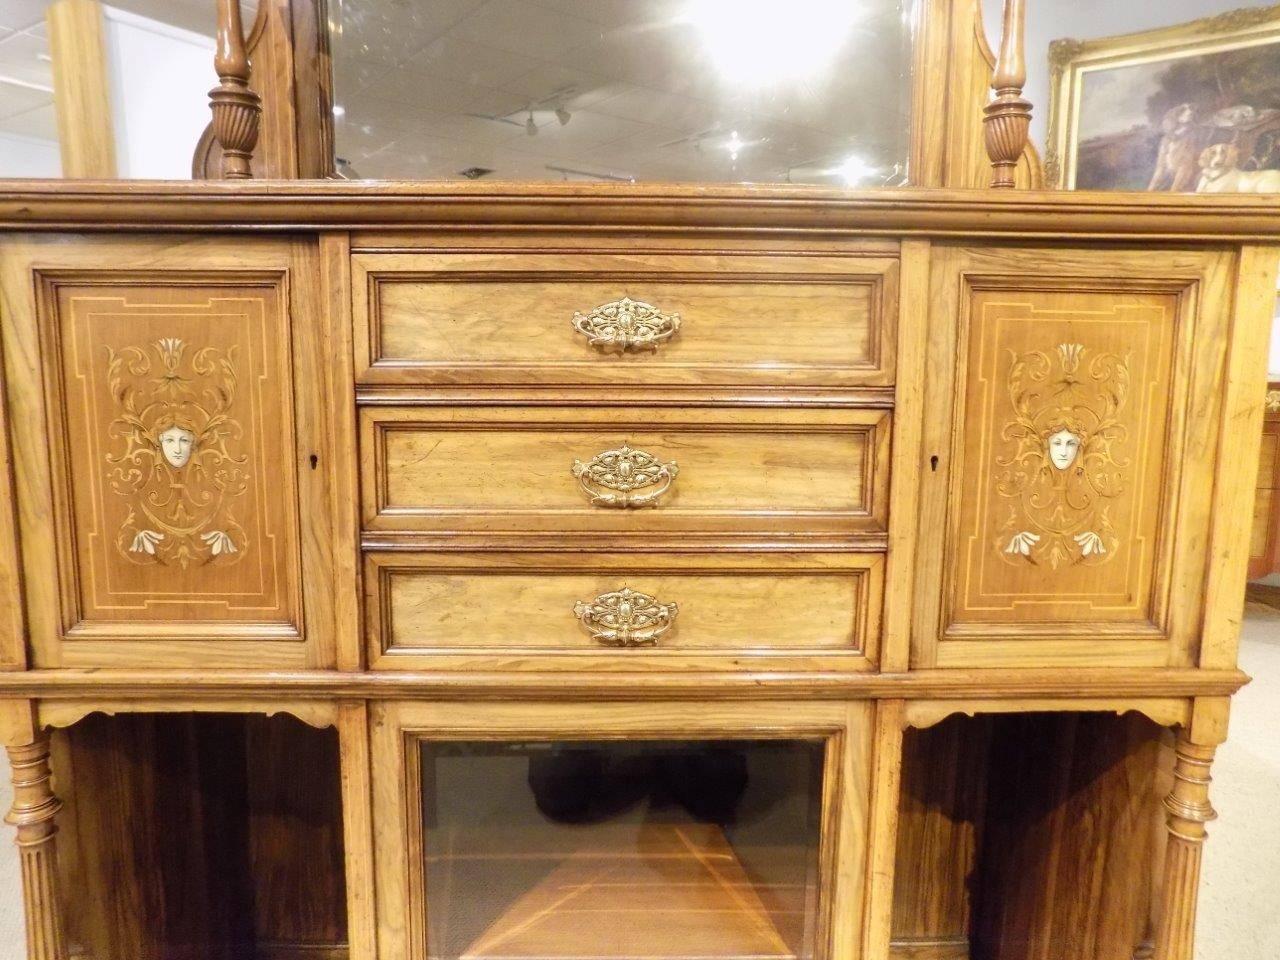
(802,91)
(1133,96)
(640,849)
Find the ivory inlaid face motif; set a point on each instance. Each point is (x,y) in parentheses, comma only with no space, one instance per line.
(1058,464)
(176,445)
(176,460)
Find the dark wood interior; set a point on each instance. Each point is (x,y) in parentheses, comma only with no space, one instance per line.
(201,837)
(1028,836)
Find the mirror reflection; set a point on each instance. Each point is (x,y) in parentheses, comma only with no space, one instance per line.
(807,91)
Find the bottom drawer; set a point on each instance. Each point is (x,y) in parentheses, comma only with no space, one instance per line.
(621,609)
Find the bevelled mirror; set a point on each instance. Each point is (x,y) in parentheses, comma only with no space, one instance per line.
(806,91)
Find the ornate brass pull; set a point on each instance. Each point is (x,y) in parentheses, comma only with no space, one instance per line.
(627,325)
(625,478)
(625,618)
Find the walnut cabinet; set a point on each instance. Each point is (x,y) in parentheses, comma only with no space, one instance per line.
(399,572)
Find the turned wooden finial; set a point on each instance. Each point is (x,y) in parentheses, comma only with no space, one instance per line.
(237,110)
(1007,119)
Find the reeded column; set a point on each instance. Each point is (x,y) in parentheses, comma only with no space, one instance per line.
(1188,810)
(33,813)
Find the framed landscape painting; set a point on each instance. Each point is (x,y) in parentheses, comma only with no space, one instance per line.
(1194,107)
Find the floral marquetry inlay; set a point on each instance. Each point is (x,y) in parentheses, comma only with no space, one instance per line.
(180,450)
(1065,461)
(1059,467)
(176,460)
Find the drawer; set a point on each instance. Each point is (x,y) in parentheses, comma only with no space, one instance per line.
(630,470)
(617,319)
(618,611)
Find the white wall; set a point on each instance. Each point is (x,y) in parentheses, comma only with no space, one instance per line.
(28,157)
(160,82)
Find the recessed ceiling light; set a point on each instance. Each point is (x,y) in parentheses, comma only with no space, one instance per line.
(734,145)
(854,170)
(761,42)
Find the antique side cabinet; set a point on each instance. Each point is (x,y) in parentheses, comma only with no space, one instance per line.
(573,572)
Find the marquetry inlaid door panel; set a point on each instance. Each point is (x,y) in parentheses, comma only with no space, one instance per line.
(1072,473)
(177,461)
(171,394)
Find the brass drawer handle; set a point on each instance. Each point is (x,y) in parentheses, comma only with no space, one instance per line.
(624,477)
(627,325)
(626,618)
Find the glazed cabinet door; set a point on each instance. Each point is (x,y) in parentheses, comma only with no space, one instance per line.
(620,831)
(1071,428)
(174,450)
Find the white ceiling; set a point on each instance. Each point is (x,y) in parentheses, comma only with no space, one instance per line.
(26,76)
(26,73)
(432,87)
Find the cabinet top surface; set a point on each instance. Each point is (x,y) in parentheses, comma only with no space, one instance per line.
(319,204)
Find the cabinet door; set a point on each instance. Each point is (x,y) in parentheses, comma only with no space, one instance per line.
(170,439)
(620,831)
(1072,412)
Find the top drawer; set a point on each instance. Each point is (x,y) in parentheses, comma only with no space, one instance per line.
(656,319)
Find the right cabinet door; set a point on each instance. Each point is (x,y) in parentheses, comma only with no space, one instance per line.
(1071,418)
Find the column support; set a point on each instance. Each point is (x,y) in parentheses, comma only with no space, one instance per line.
(33,814)
(1187,810)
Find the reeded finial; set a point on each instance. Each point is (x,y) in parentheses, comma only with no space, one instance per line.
(1007,118)
(237,110)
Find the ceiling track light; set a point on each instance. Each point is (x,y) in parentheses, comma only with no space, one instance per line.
(563,115)
(530,127)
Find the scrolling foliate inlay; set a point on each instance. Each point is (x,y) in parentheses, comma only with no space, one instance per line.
(175,457)
(1059,465)
(1065,462)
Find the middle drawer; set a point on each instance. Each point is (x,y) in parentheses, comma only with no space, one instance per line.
(509,470)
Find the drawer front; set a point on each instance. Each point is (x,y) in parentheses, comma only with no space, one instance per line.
(616,319)
(630,470)
(614,611)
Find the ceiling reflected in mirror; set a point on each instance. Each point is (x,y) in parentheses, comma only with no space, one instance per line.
(728,91)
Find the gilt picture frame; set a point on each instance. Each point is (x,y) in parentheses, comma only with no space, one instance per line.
(1189,108)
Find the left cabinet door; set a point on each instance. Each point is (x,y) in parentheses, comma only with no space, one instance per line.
(171,438)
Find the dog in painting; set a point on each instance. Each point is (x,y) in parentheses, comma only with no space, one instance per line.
(1220,173)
